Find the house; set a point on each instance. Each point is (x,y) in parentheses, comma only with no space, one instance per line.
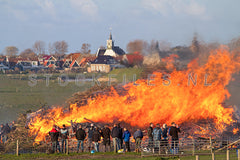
(111,50)
(77,60)
(104,64)
(49,61)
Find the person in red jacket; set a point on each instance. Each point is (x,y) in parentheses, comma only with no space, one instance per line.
(54,134)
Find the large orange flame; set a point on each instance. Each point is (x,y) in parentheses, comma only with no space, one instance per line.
(191,95)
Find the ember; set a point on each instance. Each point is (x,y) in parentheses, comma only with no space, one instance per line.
(158,103)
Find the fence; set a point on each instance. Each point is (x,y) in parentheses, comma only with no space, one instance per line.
(195,148)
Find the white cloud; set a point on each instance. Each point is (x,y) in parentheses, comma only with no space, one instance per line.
(187,7)
(47,6)
(87,7)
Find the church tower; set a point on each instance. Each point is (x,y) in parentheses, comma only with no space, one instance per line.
(110,43)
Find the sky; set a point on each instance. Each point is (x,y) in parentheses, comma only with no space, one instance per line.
(90,21)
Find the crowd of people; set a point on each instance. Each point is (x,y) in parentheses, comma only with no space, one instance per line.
(120,138)
(5,129)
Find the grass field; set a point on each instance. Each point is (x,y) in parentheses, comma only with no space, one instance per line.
(111,156)
(18,96)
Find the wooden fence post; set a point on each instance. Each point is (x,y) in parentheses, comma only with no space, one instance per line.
(213,156)
(227,154)
(193,147)
(197,157)
(159,152)
(238,154)
(17,149)
(211,144)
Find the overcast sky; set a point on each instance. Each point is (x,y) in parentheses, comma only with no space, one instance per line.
(89,21)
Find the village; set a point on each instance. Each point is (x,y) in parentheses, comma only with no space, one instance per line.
(105,60)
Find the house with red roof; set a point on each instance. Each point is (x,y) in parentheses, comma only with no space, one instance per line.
(49,61)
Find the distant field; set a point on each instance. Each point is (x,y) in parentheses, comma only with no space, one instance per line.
(18,96)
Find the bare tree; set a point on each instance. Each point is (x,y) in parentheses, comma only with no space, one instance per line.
(50,49)
(137,46)
(59,48)
(11,51)
(28,53)
(39,47)
(195,46)
(85,49)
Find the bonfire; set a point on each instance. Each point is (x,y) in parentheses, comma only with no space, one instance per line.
(189,96)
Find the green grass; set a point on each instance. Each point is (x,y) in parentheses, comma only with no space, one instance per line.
(111,156)
(18,96)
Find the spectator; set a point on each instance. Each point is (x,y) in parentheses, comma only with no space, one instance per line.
(64,135)
(2,133)
(120,136)
(165,137)
(126,137)
(173,132)
(90,134)
(138,135)
(150,135)
(106,132)
(54,134)
(157,136)
(80,136)
(96,138)
(115,135)
(12,126)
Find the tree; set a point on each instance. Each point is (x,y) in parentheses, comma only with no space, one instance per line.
(39,47)
(137,46)
(28,53)
(58,48)
(11,51)
(195,46)
(85,49)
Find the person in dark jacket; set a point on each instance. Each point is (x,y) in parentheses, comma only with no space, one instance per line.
(126,138)
(106,132)
(165,137)
(54,134)
(90,133)
(64,135)
(80,136)
(115,135)
(96,138)
(120,136)
(138,135)
(150,135)
(173,132)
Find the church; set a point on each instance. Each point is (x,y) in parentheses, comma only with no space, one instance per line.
(106,59)
(113,51)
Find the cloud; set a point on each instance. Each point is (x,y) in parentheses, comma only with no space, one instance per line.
(87,7)
(47,6)
(12,8)
(166,7)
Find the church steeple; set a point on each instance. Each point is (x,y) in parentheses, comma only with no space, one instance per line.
(110,36)
(110,43)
